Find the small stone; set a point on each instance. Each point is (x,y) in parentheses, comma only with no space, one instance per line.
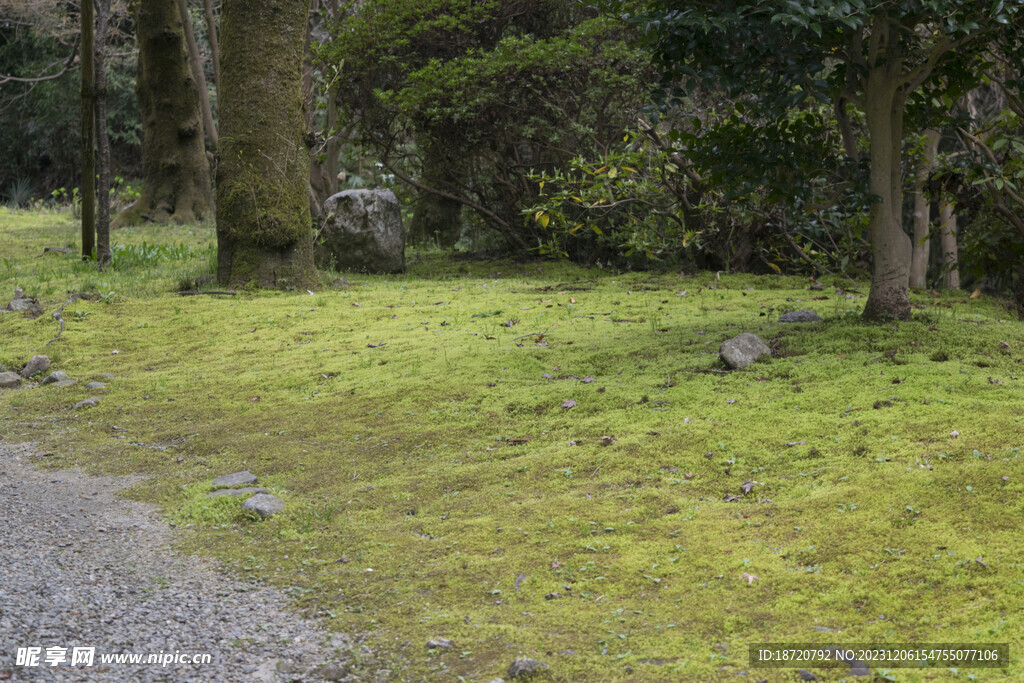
(10,380)
(806,675)
(523,667)
(243,478)
(37,364)
(440,643)
(333,671)
(236,492)
(264,504)
(552,596)
(800,317)
(95,385)
(65,383)
(742,350)
(20,302)
(54,377)
(88,403)
(285,666)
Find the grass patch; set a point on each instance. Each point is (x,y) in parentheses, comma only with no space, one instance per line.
(438,486)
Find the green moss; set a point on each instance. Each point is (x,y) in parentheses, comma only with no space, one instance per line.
(403,457)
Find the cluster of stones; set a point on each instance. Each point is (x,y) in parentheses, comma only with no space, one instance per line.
(744,349)
(40,364)
(242,483)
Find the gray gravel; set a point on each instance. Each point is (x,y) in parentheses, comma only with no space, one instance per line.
(81,567)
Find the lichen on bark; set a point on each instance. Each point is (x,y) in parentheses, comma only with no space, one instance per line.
(264,233)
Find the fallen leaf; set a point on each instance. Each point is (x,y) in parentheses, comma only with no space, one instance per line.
(747,487)
(751,578)
(954,433)
(976,294)
(796,443)
(689,475)
(571,300)
(254,399)
(552,596)
(1003,344)
(510,322)
(356,303)
(731,401)
(608,440)
(378,344)
(731,499)
(547,376)
(569,404)
(588,379)
(518,440)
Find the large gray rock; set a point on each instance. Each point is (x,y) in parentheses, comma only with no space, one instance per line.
(800,317)
(37,364)
(264,505)
(363,232)
(244,478)
(742,350)
(10,380)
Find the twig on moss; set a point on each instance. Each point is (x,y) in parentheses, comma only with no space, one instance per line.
(57,315)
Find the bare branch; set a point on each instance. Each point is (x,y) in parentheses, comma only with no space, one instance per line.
(67,67)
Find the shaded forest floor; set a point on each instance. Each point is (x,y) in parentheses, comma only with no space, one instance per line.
(546,461)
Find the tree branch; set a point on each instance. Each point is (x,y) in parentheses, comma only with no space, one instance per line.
(67,66)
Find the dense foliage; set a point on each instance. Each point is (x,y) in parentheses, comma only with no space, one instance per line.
(39,119)
(463,99)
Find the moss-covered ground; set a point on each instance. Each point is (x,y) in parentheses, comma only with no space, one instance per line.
(545,461)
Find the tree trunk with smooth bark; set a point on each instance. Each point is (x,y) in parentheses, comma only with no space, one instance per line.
(264,234)
(103,255)
(196,62)
(950,252)
(88,95)
(175,170)
(923,212)
(891,248)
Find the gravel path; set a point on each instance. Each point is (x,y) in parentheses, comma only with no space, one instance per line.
(80,567)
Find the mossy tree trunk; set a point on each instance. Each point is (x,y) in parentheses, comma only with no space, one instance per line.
(435,218)
(175,171)
(264,235)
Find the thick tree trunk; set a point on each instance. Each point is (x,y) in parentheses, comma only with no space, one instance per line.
(88,94)
(264,234)
(175,171)
(891,249)
(196,62)
(950,253)
(922,211)
(102,141)
(435,219)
